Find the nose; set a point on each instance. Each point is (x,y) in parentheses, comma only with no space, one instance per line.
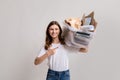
(54,30)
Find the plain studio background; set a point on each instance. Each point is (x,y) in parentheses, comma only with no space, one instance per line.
(22,33)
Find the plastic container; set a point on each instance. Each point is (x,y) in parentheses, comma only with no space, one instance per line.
(78,38)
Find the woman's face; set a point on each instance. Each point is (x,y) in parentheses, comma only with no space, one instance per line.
(54,31)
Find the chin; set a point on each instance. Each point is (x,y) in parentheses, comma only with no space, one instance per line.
(54,36)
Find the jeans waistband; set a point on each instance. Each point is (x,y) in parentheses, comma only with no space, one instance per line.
(58,71)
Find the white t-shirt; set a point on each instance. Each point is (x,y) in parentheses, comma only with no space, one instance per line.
(58,61)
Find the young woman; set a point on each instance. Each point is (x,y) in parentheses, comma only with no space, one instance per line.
(56,53)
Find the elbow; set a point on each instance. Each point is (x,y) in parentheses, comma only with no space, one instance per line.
(36,61)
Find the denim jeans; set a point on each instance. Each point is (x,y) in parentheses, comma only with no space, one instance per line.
(56,75)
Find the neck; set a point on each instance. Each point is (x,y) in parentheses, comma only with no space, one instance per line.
(56,40)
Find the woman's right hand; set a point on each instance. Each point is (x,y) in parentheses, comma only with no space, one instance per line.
(51,51)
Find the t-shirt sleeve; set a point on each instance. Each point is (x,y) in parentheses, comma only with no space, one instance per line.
(41,52)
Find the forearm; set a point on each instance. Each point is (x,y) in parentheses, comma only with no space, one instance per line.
(39,60)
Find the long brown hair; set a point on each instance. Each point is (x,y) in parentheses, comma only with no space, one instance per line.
(48,40)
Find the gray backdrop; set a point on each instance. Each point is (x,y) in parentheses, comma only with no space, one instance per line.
(22,32)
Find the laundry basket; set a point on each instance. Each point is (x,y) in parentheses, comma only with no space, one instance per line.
(78,38)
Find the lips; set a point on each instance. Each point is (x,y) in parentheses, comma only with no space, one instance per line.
(54,34)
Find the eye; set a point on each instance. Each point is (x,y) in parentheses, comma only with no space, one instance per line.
(56,29)
(50,29)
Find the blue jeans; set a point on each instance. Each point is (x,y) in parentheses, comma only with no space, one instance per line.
(56,75)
